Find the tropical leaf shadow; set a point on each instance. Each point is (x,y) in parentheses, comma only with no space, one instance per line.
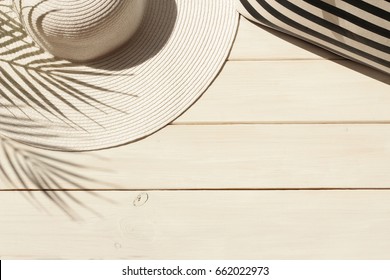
(33,79)
(29,169)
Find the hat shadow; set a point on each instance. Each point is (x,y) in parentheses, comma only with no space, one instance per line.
(328,55)
(153,34)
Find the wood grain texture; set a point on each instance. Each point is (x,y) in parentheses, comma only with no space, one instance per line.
(282,115)
(202,225)
(242,156)
(293,92)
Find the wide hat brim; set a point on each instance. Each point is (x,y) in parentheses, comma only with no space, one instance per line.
(55,104)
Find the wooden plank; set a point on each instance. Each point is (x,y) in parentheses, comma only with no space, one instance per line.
(293,91)
(256,42)
(201,225)
(238,156)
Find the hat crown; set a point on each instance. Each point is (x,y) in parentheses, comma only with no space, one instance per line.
(81,30)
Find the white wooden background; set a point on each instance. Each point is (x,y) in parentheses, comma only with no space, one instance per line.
(286,156)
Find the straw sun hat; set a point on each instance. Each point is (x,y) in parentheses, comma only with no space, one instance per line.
(91,74)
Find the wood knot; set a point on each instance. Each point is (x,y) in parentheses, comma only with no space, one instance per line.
(141,199)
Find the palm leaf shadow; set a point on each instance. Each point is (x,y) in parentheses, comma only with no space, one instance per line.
(32,78)
(29,169)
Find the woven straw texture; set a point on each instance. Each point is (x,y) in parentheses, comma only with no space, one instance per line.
(174,56)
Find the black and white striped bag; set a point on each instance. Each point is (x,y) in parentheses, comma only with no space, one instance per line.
(356,29)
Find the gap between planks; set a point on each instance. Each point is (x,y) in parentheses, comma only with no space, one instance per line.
(195,189)
(183,123)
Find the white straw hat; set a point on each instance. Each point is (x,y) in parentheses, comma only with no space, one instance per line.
(92,74)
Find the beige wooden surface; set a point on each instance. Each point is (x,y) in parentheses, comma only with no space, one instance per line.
(202,225)
(237,156)
(282,115)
